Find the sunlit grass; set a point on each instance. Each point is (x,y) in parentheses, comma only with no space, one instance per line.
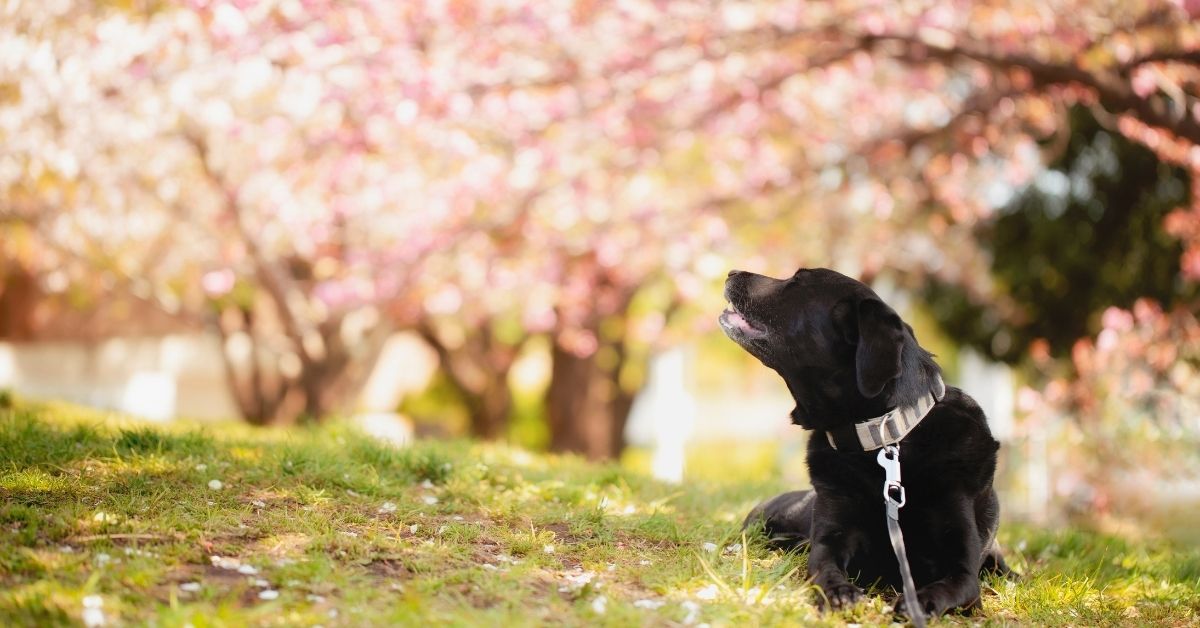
(324,526)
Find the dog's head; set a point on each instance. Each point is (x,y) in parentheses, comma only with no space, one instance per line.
(839,347)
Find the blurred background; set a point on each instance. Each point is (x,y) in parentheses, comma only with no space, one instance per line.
(512,220)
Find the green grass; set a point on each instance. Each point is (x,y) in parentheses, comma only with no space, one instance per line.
(331,528)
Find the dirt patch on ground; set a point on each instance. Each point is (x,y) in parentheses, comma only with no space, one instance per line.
(476,597)
(488,551)
(229,544)
(562,533)
(209,574)
(389,568)
(206,575)
(265,498)
(288,545)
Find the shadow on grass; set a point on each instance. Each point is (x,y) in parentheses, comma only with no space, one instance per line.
(28,441)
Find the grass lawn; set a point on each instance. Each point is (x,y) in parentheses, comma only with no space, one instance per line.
(103,519)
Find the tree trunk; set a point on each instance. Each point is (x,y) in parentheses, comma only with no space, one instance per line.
(586,408)
(478,370)
(315,381)
(619,407)
(256,403)
(19,295)
(267,396)
(489,410)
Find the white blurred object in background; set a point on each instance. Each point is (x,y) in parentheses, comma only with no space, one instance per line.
(992,386)
(389,427)
(150,395)
(405,365)
(664,415)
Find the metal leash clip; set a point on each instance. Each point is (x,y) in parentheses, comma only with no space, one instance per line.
(893,490)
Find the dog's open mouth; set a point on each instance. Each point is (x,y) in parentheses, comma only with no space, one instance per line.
(735,322)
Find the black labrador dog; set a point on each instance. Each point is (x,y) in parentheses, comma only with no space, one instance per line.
(861,381)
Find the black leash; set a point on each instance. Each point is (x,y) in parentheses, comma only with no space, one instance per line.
(893,498)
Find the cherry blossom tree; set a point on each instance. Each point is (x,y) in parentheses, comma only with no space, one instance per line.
(225,160)
(894,132)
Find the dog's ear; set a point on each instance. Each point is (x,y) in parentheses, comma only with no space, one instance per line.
(880,343)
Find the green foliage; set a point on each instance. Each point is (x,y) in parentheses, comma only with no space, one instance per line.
(440,410)
(438,407)
(347,531)
(1087,234)
(527,426)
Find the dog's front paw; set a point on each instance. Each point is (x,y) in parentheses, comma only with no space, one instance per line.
(927,610)
(935,602)
(840,596)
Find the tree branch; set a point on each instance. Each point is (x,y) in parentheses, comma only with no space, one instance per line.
(1113,90)
(1191,57)
(272,281)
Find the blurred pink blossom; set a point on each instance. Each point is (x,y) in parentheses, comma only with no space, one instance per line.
(218,283)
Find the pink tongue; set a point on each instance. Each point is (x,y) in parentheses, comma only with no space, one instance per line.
(737,320)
